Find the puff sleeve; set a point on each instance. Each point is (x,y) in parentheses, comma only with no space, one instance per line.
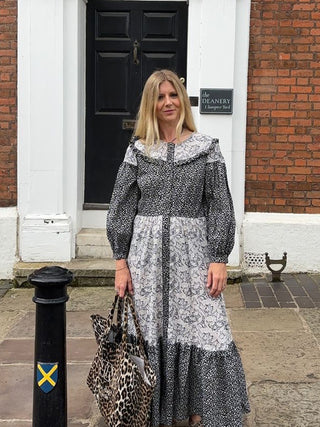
(219,207)
(123,206)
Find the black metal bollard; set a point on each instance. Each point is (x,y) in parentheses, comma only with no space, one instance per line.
(50,378)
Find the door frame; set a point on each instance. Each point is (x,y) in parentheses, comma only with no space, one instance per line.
(203,17)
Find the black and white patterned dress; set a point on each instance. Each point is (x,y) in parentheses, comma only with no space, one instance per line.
(171,214)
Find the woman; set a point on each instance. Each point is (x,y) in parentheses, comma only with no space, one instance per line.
(171,227)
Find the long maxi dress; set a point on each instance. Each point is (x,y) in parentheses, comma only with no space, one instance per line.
(170,215)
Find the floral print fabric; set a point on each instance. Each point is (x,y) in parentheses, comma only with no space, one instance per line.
(171,214)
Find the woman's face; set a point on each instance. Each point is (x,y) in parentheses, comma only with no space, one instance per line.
(168,104)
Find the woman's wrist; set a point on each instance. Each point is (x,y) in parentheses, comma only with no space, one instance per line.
(121,264)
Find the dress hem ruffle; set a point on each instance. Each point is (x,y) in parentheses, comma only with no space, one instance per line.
(197,381)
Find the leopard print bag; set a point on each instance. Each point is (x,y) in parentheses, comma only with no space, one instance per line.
(121,377)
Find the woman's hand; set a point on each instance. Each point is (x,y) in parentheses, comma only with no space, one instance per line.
(122,278)
(217,278)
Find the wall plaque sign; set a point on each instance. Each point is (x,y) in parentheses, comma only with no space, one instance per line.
(216,101)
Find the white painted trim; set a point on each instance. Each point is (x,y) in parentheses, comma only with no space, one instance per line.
(94,219)
(239,119)
(8,235)
(281,218)
(23,107)
(276,233)
(218,44)
(74,112)
(51,114)
(46,238)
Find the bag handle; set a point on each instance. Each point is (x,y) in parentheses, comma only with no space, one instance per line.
(117,301)
(129,303)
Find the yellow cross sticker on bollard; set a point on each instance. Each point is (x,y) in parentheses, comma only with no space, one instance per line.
(47,376)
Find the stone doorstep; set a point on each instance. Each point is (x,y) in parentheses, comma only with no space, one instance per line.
(89,272)
(92,243)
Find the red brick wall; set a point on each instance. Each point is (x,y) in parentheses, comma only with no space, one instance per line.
(8,102)
(283,125)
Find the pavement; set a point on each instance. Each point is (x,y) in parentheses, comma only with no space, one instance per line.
(275,326)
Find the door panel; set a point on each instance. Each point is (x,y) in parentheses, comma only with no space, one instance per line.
(113,25)
(153,61)
(112,96)
(126,42)
(159,26)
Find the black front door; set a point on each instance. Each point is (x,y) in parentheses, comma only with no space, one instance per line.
(126,42)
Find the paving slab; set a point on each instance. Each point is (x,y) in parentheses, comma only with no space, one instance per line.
(312,317)
(22,350)
(280,349)
(78,424)
(7,321)
(81,350)
(16,423)
(78,324)
(19,423)
(285,405)
(3,291)
(6,284)
(294,291)
(17,351)
(16,385)
(24,327)
(94,298)
(279,356)
(233,297)
(80,398)
(18,300)
(265,320)
(96,418)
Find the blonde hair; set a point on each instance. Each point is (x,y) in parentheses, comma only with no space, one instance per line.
(147,127)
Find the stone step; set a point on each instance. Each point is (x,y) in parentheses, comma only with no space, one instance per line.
(92,243)
(89,272)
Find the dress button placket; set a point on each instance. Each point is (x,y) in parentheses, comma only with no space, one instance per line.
(166,237)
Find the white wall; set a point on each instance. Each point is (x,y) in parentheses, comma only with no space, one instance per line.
(275,233)
(218,44)
(51,92)
(51,107)
(8,248)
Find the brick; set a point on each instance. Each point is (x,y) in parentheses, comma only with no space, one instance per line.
(284,81)
(269,301)
(283,89)
(303,23)
(281,162)
(8,78)
(289,29)
(302,5)
(313,162)
(283,97)
(299,89)
(286,130)
(299,171)
(282,113)
(280,202)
